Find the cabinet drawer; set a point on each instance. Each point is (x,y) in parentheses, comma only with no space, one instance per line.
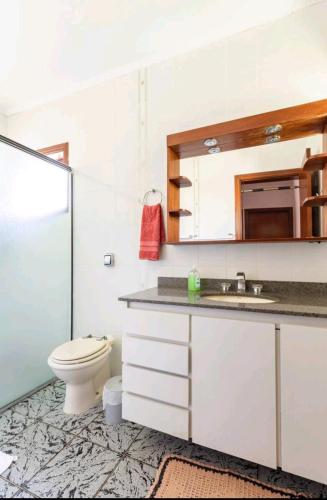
(167,388)
(158,416)
(166,326)
(161,356)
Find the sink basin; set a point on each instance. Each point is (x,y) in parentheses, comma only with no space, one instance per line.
(240,299)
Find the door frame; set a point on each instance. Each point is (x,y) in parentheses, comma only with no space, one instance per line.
(274,175)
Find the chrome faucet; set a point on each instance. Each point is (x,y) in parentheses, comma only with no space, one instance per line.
(241,282)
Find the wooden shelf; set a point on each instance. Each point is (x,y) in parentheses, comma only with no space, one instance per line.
(181,181)
(315,162)
(315,201)
(181,212)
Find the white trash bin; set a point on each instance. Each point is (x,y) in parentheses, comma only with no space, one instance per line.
(112,400)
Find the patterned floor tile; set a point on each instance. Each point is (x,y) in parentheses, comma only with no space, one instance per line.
(131,479)
(71,423)
(151,446)
(41,403)
(285,480)
(53,463)
(117,438)
(11,424)
(23,494)
(6,489)
(78,471)
(225,461)
(59,384)
(34,448)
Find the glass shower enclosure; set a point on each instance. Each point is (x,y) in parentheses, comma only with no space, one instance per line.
(35,266)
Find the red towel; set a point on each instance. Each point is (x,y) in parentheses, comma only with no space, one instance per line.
(152,232)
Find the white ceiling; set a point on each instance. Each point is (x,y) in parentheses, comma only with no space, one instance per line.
(51,48)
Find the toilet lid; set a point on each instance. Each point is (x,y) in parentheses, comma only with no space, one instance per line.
(79,349)
(106,349)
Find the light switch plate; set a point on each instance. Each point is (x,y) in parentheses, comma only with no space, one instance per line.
(109,259)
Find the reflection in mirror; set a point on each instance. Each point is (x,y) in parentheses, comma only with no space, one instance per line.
(252,193)
(272,208)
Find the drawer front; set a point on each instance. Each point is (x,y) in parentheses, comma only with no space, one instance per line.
(166,326)
(161,356)
(158,416)
(167,388)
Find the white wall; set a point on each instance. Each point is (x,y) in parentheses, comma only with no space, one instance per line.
(117,133)
(3,124)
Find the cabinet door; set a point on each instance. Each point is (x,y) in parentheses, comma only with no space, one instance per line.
(234,388)
(304,401)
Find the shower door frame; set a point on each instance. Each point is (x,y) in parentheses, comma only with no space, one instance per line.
(69,170)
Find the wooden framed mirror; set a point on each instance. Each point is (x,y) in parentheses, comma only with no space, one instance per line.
(261,178)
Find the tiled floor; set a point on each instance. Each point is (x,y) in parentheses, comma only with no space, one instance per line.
(82,457)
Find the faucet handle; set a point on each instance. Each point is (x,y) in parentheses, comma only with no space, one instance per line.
(257,288)
(226,286)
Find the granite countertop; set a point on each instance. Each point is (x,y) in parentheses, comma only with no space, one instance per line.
(293,298)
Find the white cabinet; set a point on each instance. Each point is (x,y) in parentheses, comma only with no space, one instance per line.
(234,388)
(304,401)
(241,392)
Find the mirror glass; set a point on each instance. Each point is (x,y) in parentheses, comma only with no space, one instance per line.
(252,193)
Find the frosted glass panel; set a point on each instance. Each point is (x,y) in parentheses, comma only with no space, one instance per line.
(35,269)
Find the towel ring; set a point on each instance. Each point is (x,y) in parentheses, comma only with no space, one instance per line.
(152,191)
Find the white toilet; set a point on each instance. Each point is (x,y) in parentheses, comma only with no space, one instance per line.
(83,364)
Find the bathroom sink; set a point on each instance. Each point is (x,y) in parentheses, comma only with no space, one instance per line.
(240,299)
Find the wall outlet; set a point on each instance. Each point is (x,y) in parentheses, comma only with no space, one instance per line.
(109,259)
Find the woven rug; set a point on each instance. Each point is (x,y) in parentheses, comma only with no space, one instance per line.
(180,477)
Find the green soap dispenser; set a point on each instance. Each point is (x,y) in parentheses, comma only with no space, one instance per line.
(194,281)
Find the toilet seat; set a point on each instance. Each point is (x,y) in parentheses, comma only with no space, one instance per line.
(80,351)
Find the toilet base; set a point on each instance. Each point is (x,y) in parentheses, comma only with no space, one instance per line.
(80,398)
